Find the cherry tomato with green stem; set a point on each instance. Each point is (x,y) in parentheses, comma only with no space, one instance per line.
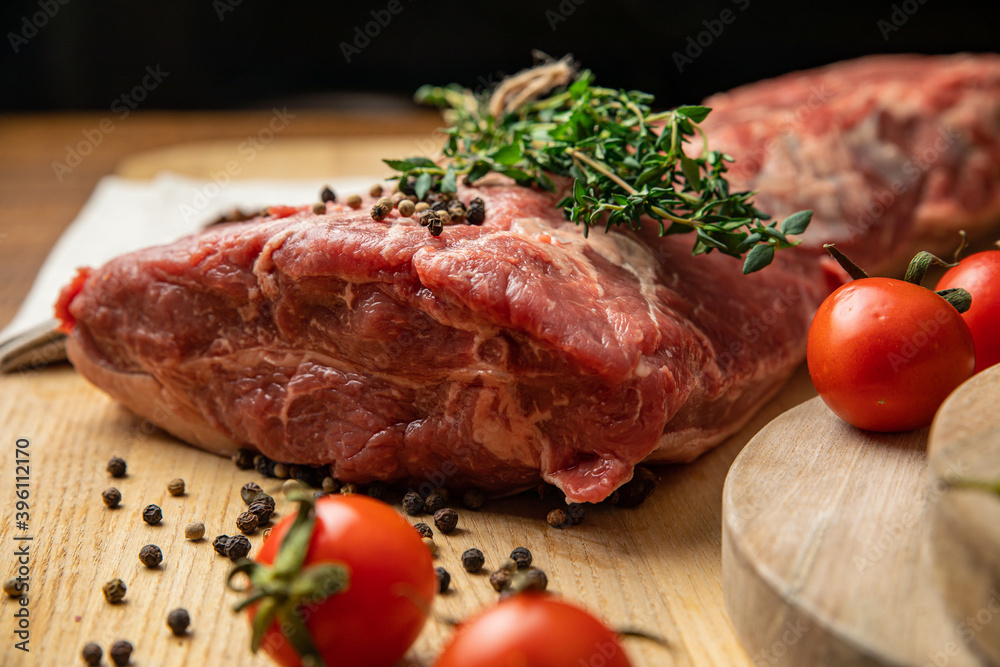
(980,275)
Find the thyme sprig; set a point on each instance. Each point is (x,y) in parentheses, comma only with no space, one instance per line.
(626,162)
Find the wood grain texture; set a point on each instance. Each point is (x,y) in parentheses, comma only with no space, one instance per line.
(825,558)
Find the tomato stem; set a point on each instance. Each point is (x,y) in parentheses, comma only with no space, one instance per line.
(918,266)
(853,270)
(960,298)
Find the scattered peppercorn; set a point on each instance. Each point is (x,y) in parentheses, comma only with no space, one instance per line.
(319,207)
(114,590)
(291,486)
(456,210)
(379,212)
(178,620)
(327,194)
(476,212)
(261,511)
(354,201)
(375,190)
(330,485)
(111,496)
(243,458)
(500,580)
(444,217)
(377,490)
(473,560)
(413,503)
(387,202)
(307,475)
(92,654)
(117,466)
(420,207)
(176,487)
(613,498)
(194,531)
(249,492)
(424,529)
(558,519)
(263,465)
(349,488)
(522,557)
(575,512)
(247,522)
(150,555)
(433,502)
(474,499)
(238,547)
(152,515)
(406,208)
(444,579)
(397,197)
(120,653)
(220,543)
(446,520)
(432,545)
(11,588)
(636,490)
(280,471)
(531,579)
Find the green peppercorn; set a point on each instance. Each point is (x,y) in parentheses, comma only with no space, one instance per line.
(473,499)
(473,560)
(456,210)
(249,492)
(247,523)
(424,529)
(329,485)
(407,208)
(111,496)
(443,578)
(379,212)
(238,547)
(114,590)
(500,579)
(433,502)
(397,197)
(117,467)
(354,201)
(11,588)
(386,202)
(291,486)
(178,621)
(444,217)
(522,557)
(152,515)
(375,190)
(92,654)
(431,545)
(150,555)
(319,207)
(420,207)
(280,470)
(446,520)
(243,458)
(194,531)
(176,487)
(327,195)
(413,503)
(120,653)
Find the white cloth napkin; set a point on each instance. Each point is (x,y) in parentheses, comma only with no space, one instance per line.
(124,215)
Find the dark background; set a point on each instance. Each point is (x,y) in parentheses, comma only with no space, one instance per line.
(263,53)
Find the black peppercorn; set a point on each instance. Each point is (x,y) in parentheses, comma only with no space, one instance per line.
(263,465)
(238,547)
(522,557)
(575,512)
(500,580)
(262,511)
(176,487)
(92,654)
(444,579)
(111,496)
(178,620)
(473,560)
(150,555)
(117,466)
(476,212)
(446,520)
(377,490)
(379,212)
(413,503)
(327,194)
(640,487)
(220,543)
(424,529)
(247,522)
(120,653)
(152,515)
(249,492)
(243,458)
(114,590)
(557,519)
(12,588)
(473,499)
(433,502)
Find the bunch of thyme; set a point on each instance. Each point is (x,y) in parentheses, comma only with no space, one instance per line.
(626,162)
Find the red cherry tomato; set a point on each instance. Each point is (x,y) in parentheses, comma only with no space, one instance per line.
(536,630)
(980,275)
(883,354)
(391,587)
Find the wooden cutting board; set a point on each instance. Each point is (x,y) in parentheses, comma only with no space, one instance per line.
(828,550)
(656,567)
